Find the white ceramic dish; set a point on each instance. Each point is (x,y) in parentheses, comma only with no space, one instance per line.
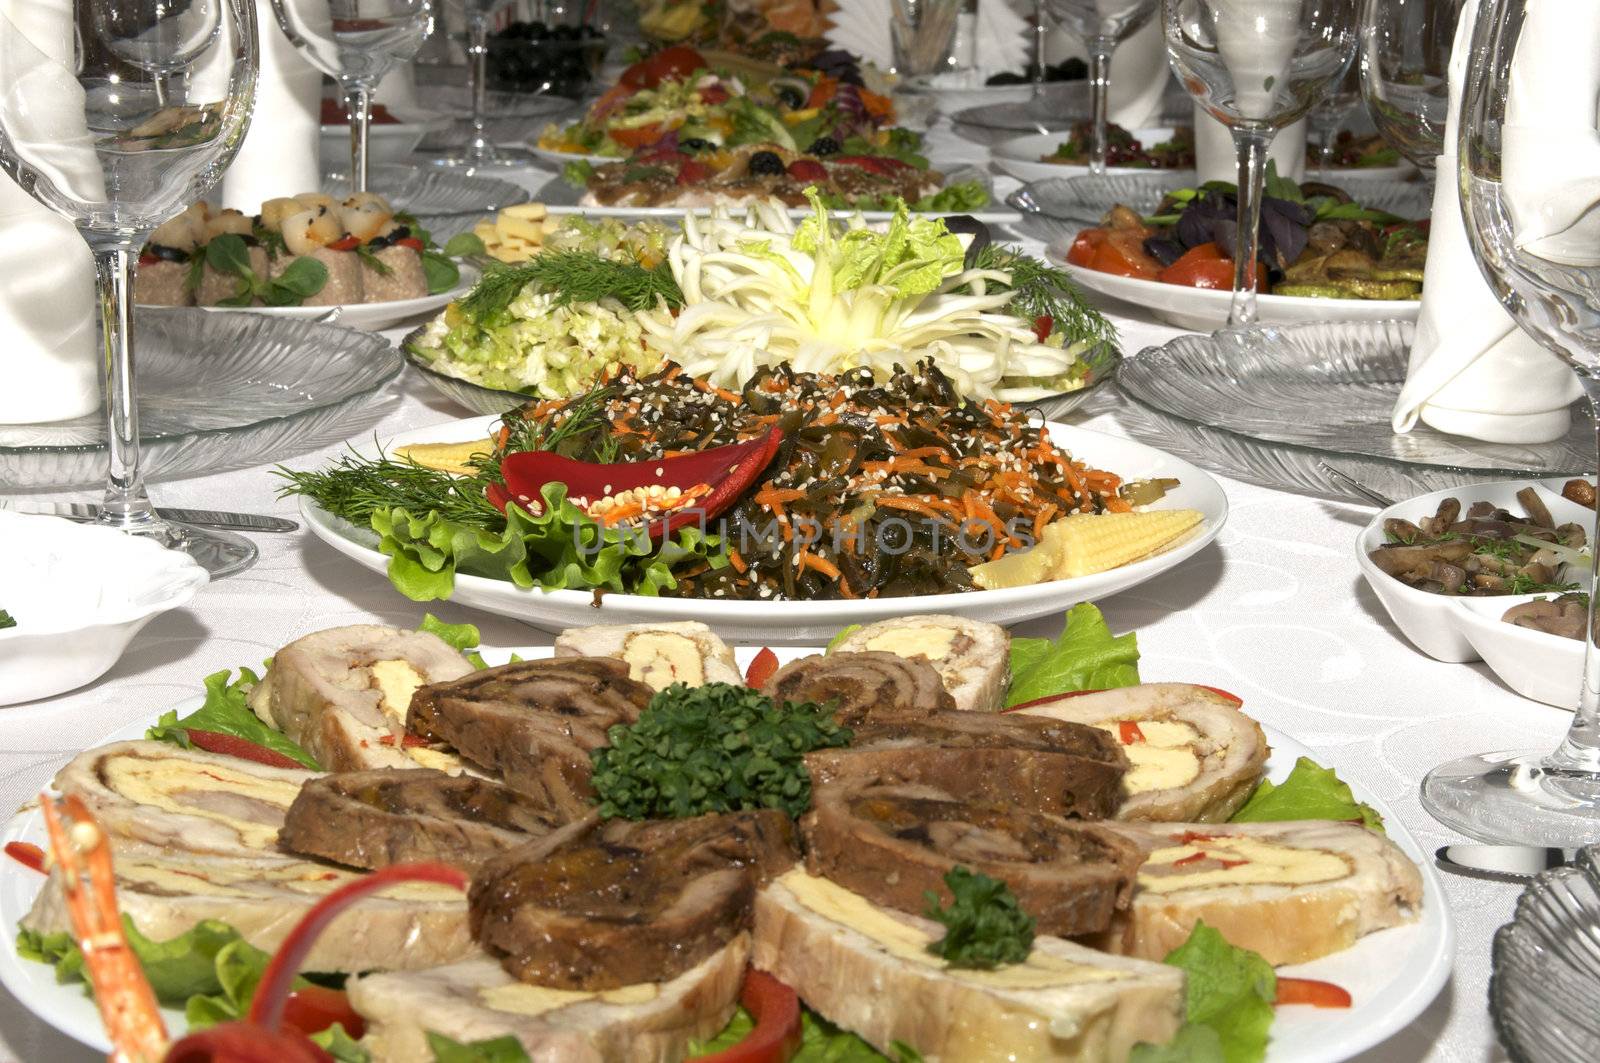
(791,623)
(79,593)
(1544,667)
(1392,975)
(1205,310)
(369,316)
(1021,158)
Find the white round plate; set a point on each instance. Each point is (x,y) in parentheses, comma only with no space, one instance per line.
(790,623)
(1205,310)
(369,316)
(1543,667)
(1392,975)
(1021,157)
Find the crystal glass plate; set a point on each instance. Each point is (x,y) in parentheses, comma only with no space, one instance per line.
(217,390)
(1544,993)
(1266,405)
(430,192)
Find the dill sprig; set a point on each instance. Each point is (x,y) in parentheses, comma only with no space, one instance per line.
(574,277)
(355,486)
(1043,290)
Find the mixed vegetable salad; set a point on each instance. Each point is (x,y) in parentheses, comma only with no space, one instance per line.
(1126,151)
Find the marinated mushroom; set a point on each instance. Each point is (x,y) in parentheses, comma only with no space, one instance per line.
(1563,615)
(1489,551)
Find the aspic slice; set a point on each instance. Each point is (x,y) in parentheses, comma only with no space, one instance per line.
(1195,757)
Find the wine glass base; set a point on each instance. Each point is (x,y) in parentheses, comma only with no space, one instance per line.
(502,159)
(1511,798)
(221,553)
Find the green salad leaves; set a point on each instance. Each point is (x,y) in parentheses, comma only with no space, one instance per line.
(984,927)
(226,711)
(1230,995)
(713,748)
(1310,792)
(820,1042)
(1085,656)
(229,255)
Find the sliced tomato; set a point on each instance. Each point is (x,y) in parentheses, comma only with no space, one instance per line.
(1043,325)
(639,136)
(243,748)
(761,669)
(808,170)
(1312,992)
(344,243)
(692,173)
(1122,253)
(315,1008)
(27,854)
(1202,266)
(609,101)
(411,242)
(776,1036)
(665,65)
(878,164)
(714,94)
(1084,246)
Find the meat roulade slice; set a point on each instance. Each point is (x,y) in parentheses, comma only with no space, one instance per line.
(685,652)
(1071,877)
(872,685)
(534,722)
(973,658)
(372,819)
(604,904)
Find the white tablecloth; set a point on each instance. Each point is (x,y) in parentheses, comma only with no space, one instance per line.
(1275,612)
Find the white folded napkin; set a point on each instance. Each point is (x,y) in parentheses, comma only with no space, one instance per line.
(47,299)
(279,153)
(1551,161)
(1473,372)
(861,27)
(1216,159)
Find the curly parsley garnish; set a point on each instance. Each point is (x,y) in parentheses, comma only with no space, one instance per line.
(985,927)
(714,748)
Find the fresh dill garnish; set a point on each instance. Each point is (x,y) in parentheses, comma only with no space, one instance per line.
(574,277)
(355,486)
(1044,291)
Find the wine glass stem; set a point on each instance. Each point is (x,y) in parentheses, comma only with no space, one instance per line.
(1250,142)
(1099,49)
(125,506)
(1580,749)
(478,72)
(1039,30)
(358,103)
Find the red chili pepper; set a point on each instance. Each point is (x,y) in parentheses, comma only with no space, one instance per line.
(1043,325)
(1310,991)
(27,854)
(776,1036)
(411,242)
(243,748)
(314,1008)
(344,243)
(727,471)
(761,669)
(1128,731)
(238,1042)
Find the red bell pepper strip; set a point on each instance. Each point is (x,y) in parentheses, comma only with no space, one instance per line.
(243,748)
(1310,991)
(776,1036)
(727,471)
(27,854)
(761,669)
(1128,731)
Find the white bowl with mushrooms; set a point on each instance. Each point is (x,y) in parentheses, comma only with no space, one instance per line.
(1498,596)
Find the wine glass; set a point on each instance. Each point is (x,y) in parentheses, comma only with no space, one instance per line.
(1328,117)
(118,120)
(480,151)
(1405,72)
(1529,167)
(1257,66)
(1102,25)
(355,42)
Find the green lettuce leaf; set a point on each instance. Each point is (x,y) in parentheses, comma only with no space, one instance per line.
(341,1046)
(505,1049)
(463,638)
(1310,792)
(1086,656)
(820,1042)
(1194,1044)
(1230,991)
(844,633)
(226,711)
(237,968)
(563,548)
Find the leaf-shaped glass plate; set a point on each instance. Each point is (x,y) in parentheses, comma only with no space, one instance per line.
(1544,993)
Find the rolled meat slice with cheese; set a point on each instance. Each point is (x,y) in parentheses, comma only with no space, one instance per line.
(535,722)
(1195,756)
(973,658)
(660,655)
(343,694)
(1026,762)
(371,819)
(1291,891)
(606,904)
(477,1000)
(182,800)
(865,686)
(868,969)
(893,845)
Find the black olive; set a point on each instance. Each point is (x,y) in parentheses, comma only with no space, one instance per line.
(790,97)
(824,146)
(694,144)
(767,163)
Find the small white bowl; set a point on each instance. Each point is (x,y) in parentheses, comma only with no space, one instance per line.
(1536,664)
(1456,629)
(79,593)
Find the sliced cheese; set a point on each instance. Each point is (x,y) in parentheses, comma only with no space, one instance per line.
(522,999)
(1163,759)
(934,643)
(396,682)
(662,658)
(907,942)
(183,787)
(1251,862)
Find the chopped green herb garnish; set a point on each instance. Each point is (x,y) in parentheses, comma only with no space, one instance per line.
(6,620)
(985,927)
(574,277)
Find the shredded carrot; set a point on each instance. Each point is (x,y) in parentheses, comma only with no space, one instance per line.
(820,564)
(915,505)
(1042,519)
(737,562)
(773,497)
(725,395)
